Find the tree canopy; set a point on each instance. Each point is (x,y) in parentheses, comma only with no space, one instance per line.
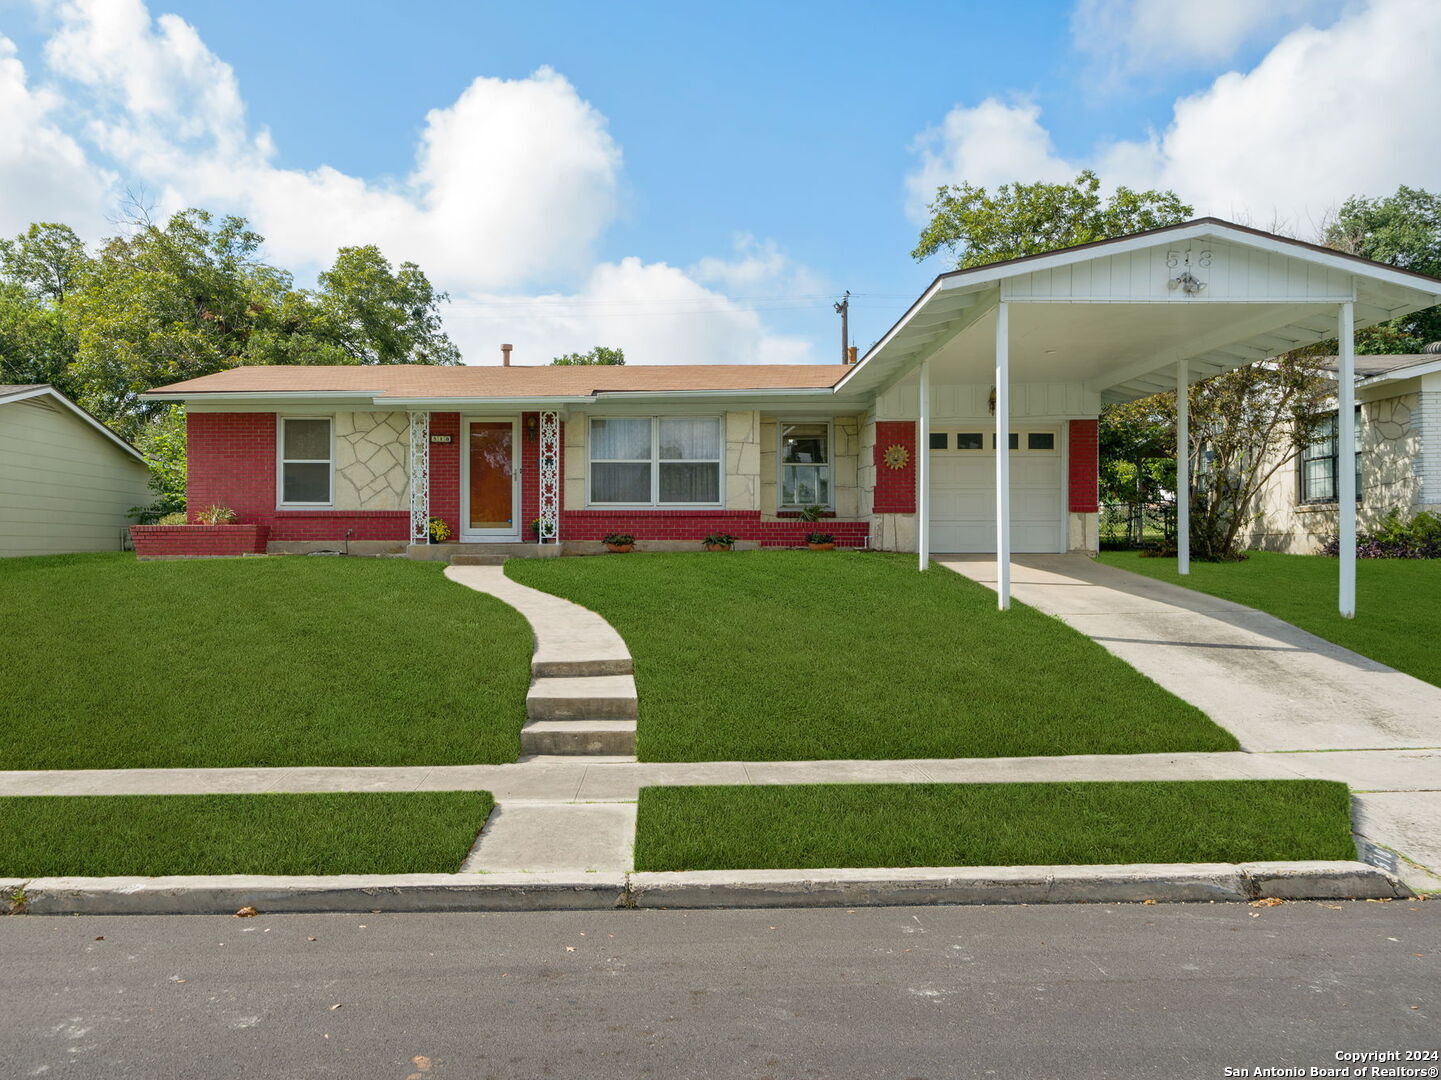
(1404,230)
(190,296)
(976,226)
(598,355)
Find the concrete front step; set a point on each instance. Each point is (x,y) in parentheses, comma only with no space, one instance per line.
(585,697)
(448,552)
(478,560)
(578,737)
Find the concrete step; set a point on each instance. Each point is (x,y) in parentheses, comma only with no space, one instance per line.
(570,669)
(478,560)
(448,552)
(585,697)
(572,737)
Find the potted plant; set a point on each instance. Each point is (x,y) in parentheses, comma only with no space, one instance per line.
(719,542)
(216,515)
(439,531)
(812,513)
(819,541)
(535,528)
(619,543)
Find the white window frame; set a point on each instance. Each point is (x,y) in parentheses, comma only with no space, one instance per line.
(655,464)
(830,462)
(281,460)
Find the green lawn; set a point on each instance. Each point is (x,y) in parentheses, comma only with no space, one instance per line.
(861,825)
(154,835)
(1398,601)
(793,655)
(113,663)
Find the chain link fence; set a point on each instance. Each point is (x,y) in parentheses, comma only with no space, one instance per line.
(1135,525)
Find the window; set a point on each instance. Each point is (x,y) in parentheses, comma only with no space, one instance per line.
(1014,441)
(940,440)
(805,460)
(1319,463)
(970,440)
(306,461)
(648,461)
(1040,440)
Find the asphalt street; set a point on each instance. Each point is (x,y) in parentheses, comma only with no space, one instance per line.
(1036,992)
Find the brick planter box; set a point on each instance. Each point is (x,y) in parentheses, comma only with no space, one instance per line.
(198,541)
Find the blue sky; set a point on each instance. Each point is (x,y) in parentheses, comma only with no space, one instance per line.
(691,185)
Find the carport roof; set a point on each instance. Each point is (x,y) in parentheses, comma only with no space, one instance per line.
(1118,314)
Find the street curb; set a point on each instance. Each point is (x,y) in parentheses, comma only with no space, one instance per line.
(225,895)
(1163,882)
(1171,882)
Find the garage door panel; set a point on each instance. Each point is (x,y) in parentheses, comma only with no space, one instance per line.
(963,500)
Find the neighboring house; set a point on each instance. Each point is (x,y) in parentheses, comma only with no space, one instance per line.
(66,480)
(1024,352)
(1397,461)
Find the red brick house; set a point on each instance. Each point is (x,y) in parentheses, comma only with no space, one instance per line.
(900,449)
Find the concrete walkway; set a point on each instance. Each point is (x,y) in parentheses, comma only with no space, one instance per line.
(1272,685)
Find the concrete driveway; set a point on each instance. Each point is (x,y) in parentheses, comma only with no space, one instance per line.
(1274,686)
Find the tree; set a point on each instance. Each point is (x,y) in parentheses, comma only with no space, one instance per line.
(38,271)
(977,227)
(166,303)
(367,313)
(599,355)
(162,441)
(1404,230)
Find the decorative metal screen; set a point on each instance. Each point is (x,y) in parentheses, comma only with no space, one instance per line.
(549,477)
(419,477)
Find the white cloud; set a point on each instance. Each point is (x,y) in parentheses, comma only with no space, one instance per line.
(44,174)
(1128,36)
(657,313)
(985,144)
(1324,115)
(512,186)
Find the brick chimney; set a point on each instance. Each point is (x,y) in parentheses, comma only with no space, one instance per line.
(505,354)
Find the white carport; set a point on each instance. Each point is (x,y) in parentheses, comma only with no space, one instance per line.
(1127,318)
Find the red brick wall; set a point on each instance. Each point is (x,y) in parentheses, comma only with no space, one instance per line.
(159,541)
(1084,467)
(895,488)
(695,524)
(445,471)
(232,463)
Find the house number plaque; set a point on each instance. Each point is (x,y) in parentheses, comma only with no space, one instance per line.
(440,438)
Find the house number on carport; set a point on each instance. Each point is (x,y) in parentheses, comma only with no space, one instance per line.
(1186,281)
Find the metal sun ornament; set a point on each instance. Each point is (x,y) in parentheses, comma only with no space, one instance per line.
(896,456)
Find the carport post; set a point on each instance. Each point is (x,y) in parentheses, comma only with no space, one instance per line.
(1183,467)
(1003,459)
(1346,458)
(923,469)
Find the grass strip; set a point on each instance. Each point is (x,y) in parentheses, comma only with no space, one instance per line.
(323,833)
(809,826)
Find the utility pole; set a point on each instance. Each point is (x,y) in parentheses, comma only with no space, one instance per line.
(843,306)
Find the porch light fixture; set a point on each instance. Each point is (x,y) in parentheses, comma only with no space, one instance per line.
(991,401)
(532,427)
(1187,282)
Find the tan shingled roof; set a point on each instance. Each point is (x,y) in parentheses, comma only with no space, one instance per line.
(424,381)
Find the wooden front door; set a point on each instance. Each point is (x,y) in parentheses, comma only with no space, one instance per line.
(491,481)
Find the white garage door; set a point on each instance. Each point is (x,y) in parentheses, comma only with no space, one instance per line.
(963,489)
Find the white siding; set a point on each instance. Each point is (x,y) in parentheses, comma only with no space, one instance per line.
(1057,401)
(63,486)
(1231,272)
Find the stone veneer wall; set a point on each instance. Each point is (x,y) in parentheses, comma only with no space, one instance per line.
(1392,462)
(372,461)
(743,461)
